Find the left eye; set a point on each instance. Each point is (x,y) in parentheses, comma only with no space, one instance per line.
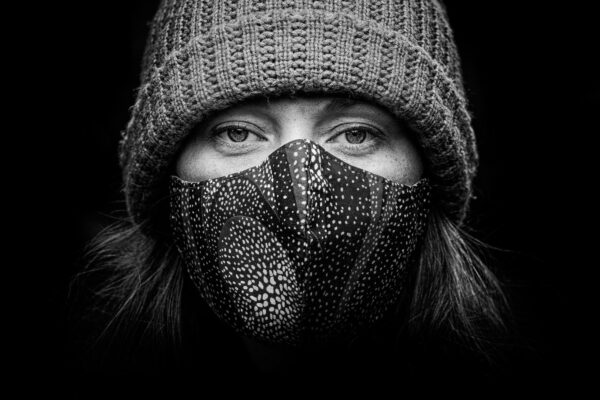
(355,136)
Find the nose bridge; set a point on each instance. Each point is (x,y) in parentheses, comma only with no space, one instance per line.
(296,125)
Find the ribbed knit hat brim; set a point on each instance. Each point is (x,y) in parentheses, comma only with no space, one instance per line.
(204,56)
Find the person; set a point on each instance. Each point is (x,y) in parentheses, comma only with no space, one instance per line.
(297,177)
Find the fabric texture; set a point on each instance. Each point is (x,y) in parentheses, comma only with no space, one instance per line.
(303,248)
(205,55)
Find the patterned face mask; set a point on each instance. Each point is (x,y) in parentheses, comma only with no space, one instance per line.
(303,248)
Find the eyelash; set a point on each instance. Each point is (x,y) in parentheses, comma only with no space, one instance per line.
(361,128)
(348,146)
(214,135)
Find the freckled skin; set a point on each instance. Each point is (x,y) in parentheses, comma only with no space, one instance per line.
(273,123)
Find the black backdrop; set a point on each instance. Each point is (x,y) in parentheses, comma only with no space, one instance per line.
(531,75)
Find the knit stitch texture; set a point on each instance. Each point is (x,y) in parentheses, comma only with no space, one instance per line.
(206,55)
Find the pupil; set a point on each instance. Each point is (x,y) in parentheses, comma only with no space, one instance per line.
(355,136)
(237,134)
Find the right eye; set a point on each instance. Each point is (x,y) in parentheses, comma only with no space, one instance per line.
(236,133)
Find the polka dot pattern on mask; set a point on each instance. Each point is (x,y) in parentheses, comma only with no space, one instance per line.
(301,248)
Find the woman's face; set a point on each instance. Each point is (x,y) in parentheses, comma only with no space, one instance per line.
(362,134)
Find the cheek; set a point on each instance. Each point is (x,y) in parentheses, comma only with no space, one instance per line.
(196,163)
(400,162)
(200,161)
(191,166)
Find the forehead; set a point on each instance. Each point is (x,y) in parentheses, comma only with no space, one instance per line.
(309,103)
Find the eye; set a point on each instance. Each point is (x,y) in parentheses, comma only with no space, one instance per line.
(355,136)
(356,139)
(236,133)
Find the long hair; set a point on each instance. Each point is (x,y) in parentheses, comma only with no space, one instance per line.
(129,291)
(456,295)
(138,289)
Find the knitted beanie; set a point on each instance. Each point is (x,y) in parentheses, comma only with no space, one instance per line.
(206,55)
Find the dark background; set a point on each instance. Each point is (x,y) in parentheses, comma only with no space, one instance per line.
(531,74)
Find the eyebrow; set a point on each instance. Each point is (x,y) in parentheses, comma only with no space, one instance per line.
(335,105)
(338,104)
